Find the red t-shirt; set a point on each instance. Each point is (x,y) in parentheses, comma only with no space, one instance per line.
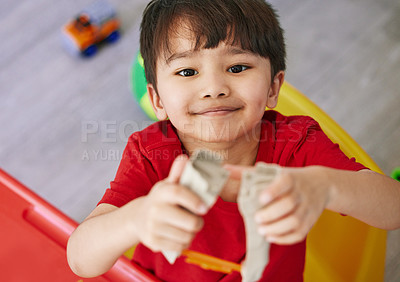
(295,141)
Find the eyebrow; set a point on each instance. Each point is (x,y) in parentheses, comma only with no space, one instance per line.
(190,53)
(180,55)
(238,51)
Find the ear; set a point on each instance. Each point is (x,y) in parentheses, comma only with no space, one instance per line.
(273,92)
(156,102)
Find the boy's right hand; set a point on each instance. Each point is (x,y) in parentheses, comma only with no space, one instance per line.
(170,215)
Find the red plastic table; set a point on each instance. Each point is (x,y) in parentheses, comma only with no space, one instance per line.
(33,238)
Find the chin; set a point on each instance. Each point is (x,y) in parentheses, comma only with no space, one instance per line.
(220,131)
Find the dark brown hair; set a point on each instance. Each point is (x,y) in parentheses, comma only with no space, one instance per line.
(251,24)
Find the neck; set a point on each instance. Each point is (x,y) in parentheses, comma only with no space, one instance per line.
(241,151)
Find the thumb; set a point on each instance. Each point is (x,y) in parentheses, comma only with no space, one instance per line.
(177,168)
(281,185)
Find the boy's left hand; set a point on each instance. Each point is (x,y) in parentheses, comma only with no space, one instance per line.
(292,203)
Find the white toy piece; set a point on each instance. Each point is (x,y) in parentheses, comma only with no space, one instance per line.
(204,175)
(257,248)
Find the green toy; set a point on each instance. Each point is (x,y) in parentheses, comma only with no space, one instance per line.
(396,174)
(139,88)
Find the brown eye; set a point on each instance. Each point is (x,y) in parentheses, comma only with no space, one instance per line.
(187,72)
(237,69)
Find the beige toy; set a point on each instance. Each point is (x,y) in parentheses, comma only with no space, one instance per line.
(257,248)
(204,175)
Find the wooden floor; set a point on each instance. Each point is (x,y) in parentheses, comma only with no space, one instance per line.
(65,120)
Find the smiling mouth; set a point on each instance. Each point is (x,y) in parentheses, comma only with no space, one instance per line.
(217,111)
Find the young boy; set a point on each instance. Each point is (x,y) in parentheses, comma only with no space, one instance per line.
(213,66)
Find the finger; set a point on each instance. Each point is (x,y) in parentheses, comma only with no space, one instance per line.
(236,170)
(287,239)
(184,197)
(277,209)
(298,222)
(182,219)
(160,243)
(281,185)
(177,169)
(174,234)
(280,227)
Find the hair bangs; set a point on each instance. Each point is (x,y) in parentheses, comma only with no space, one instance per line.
(249,24)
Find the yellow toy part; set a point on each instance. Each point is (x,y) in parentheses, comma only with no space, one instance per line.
(338,248)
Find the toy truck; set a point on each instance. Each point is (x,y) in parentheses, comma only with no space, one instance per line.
(96,23)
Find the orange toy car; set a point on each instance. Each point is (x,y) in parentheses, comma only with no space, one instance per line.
(96,23)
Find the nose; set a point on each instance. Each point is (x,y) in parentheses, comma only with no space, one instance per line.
(214,95)
(215,86)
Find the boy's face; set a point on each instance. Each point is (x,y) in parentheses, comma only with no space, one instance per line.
(213,95)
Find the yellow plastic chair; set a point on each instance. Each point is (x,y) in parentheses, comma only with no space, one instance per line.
(338,248)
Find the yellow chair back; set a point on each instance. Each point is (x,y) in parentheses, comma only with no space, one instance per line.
(338,248)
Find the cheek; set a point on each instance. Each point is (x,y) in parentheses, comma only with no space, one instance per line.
(171,97)
(256,90)
(258,97)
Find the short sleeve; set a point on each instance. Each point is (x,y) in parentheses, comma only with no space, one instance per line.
(135,176)
(318,149)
